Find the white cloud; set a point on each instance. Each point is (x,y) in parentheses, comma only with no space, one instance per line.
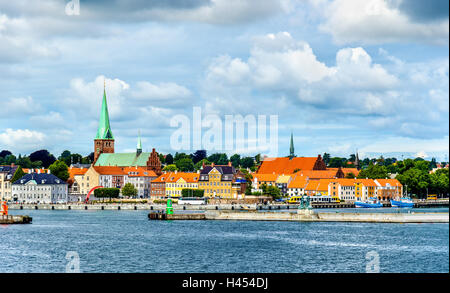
(20,106)
(378,21)
(166,93)
(20,140)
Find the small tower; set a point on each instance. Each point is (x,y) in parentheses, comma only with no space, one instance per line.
(139,145)
(104,140)
(357,161)
(291,148)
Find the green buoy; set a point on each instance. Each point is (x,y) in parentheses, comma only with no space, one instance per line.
(169,208)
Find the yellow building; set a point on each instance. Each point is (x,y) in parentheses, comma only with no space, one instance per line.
(222,181)
(177,181)
(88,180)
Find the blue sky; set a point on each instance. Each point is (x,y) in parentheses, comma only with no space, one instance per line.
(341,75)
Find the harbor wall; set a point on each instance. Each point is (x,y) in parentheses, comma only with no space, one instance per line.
(331,217)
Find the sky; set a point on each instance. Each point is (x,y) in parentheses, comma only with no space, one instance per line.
(341,75)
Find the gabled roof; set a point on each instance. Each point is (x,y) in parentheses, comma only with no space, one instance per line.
(265,177)
(9,170)
(318,174)
(109,170)
(283,179)
(223,169)
(391,182)
(42,178)
(186,176)
(76,171)
(298,182)
(285,165)
(139,172)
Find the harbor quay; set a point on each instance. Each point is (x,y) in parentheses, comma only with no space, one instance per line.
(306,216)
(218,206)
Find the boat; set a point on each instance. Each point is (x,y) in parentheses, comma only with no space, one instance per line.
(371,203)
(404,202)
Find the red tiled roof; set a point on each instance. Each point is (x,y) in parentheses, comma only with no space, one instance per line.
(109,170)
(318,174)
(76,171)
(139,172)
(285,165)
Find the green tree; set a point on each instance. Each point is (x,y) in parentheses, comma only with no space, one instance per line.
(350,175)
(107,193)
(18,174)
(199,164)
(60,170)
(373,172)
(326,158)
(169,159)
(273,191)
(185,165)
(218,159)
(247,162)
(336,162)
(170,168)
(235,160)
(129,190)
(417,181)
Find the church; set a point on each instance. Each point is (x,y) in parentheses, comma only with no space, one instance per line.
(104,154)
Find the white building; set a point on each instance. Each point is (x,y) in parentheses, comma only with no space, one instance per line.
(40,188)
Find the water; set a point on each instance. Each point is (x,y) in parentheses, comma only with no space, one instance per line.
(126,241)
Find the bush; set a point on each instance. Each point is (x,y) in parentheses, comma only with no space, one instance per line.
(107,193)
(192,192)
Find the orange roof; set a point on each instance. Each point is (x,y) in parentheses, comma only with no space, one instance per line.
(285,165)
(265,177)
(76,171)
(25,170)
(298,182)
(173,177)
(109,170)
(392,182)
(367,182)
(318,174)
(139,172)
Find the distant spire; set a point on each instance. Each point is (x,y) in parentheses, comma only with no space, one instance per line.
(139,144)
(357,161)
(104,128)
(291,148)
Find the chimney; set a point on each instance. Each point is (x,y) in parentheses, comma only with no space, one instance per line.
(29,171)
(212,164)
(48,171)
(198,171)
(229,163)
(176,171)
(12,164)
(39,171)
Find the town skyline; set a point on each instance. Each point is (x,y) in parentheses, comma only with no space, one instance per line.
(336,90)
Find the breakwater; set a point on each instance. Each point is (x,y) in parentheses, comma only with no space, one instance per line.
(15,219)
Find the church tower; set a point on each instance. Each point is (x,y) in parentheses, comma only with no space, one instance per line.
(104,141)
(291,148)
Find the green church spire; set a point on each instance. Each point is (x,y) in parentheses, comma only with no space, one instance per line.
(291,148)
(104,129)
(139,144)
